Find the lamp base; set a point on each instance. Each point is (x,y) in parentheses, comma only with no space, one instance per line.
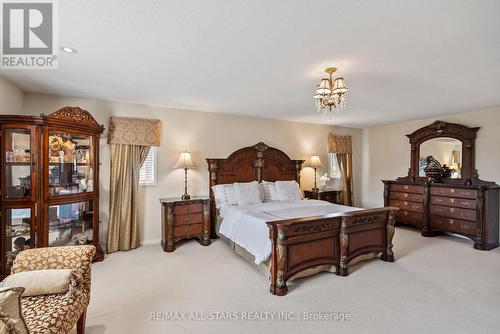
(185,197)
(315,189)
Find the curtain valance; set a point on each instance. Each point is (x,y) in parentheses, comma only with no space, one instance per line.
(134,131)
(339,144)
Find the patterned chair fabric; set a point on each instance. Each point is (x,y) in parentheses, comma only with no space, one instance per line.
(57,313)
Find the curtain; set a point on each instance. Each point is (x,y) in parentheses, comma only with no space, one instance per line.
(341,146)
(130,140)
(123,228)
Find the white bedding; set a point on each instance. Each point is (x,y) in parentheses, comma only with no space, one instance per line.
(246,224)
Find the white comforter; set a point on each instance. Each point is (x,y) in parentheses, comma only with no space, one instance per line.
(246,224)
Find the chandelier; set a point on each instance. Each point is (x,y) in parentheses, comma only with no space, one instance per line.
(330,94)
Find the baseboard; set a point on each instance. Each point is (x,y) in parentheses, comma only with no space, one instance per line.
(151,242)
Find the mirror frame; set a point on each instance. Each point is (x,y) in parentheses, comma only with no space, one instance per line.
(464,134)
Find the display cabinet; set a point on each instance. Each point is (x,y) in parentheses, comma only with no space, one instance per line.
(49,167)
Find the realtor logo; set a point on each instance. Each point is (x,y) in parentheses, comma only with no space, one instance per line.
(28,34)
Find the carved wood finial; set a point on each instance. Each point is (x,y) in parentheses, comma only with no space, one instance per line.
(261,147)
(77,115)
(438,126)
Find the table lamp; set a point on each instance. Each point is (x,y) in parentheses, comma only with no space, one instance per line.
(185,163)
(314,162)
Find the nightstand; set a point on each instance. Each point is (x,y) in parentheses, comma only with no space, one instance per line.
(332,196)
(184,219)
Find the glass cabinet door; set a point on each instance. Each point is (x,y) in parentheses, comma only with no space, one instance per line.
(17,148)
(17,234)
(71,163)
(71,224)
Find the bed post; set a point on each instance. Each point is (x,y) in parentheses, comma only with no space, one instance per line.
(344,244)
(278,263)
(213,167)
(388,254)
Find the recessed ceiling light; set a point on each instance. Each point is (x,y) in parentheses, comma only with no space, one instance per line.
(68,50)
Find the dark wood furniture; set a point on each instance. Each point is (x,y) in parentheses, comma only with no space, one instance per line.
(299,244)
(184,219)
(467,205)
(49,167)
(332,196)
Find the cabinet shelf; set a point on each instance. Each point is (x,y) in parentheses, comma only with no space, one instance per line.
(18,163)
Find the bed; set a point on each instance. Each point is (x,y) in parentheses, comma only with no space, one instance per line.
(304,237)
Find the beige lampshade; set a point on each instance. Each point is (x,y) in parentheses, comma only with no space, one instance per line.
(339,86)
(324,87)
(185,161)
(317,95)
(314,162)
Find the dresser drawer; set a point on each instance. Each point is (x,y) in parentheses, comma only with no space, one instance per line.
(454,192)
(407,197)
(410,206)
(407,188)
(455,202)
(196,218)
(410,217)
(187,230)
(453,212)
(183,209)
(453,225)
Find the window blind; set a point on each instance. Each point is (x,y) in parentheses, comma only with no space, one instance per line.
(147,174)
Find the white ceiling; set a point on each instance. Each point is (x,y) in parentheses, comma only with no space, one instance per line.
(401,59)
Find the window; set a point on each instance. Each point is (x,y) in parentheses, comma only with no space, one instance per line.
(333,166)
(147,174)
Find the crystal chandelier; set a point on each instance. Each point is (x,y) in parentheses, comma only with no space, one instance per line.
(330,94)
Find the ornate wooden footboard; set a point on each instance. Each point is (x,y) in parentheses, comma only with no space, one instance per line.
(299,244)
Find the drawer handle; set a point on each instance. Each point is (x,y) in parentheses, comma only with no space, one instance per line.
(452,200)
(187,209)
(405,213)
(465,227)
(187,220)
(406,187)
(405,195)
(451,221)
(405,203)
(452,210)
(452,191)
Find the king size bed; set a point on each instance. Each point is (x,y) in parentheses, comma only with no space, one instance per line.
(290,237)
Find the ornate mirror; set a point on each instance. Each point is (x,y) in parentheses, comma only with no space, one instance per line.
(443,152)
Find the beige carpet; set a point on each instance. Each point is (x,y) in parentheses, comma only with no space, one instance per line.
(436,285)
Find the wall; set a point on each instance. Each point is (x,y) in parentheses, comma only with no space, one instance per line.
(206,135)
(11,98)
(386,151)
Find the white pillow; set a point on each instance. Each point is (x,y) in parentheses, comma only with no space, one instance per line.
(269,190)
(288,190)
(225,194)
(248,193)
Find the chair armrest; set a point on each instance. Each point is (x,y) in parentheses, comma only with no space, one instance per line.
(78,258)
(67,257)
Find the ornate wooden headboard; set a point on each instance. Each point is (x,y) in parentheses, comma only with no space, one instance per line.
(254,163)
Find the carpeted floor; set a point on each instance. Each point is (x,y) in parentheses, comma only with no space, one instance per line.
(436,285)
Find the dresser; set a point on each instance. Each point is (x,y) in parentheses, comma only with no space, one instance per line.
(459,204)
(185,219)
(332,196)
